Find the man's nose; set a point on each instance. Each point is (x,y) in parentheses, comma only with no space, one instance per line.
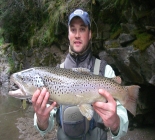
(77,34)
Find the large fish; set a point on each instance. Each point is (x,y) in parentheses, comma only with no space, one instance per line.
(73,87)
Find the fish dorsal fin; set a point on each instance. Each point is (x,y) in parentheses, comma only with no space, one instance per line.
(86,110)
(81,70)
(117,79)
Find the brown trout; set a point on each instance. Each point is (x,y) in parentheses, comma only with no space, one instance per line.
(73,87)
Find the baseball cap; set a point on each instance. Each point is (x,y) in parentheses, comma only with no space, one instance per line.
(80,13)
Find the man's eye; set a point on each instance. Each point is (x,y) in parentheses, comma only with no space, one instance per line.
(82,29)
(73,30)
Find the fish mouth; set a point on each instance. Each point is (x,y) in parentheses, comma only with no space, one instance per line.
(16,89)
(16,93)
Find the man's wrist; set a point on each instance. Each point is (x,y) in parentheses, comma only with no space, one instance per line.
(116,127)
(42,125)
(115,132)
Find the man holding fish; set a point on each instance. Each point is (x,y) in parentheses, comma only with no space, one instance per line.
(109,115)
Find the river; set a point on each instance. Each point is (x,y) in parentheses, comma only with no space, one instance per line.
(9,112)
(16,123)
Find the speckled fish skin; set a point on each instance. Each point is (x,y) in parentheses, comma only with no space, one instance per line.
(69,87)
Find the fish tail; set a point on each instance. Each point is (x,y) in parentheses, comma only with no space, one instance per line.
(131,98)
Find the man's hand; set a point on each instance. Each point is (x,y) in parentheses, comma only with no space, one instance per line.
(39,101)
(108,111)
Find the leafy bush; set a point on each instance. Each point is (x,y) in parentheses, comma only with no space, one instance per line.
(35,22)
(20,20)
(1,37)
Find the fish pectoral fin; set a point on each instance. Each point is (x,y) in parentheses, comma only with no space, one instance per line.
(86,110)
(81,70)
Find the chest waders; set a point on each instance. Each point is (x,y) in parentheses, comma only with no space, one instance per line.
(73,123)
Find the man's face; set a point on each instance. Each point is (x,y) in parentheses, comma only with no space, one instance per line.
(79,35)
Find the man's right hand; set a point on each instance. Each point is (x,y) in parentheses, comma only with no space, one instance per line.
(39,101)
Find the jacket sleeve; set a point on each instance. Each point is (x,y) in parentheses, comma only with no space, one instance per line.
(109,72)
(121,111)
(50,125)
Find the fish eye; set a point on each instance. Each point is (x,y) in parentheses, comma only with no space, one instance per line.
(20,76)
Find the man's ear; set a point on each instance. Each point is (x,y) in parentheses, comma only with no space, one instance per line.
(68,32)
(90,35)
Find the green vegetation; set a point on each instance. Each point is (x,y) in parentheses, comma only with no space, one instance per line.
(1,41)
(11,61)
(20,20)
(114,45)
(35,23)
(12,64)
(32,23)
(1,38)
(143,40)
(116,33)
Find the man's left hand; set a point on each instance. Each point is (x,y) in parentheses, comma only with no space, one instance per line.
(108,111)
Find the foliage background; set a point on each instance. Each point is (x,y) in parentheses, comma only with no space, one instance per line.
(39,23)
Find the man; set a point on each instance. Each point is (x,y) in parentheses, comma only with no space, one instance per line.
(112,114)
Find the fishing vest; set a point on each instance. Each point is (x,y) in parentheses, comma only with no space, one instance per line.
(70,119)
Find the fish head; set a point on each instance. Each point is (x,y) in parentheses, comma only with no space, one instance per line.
(27,81)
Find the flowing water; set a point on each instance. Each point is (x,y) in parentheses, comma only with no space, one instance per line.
(16,123)
(10,110)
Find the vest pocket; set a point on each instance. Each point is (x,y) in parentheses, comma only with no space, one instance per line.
(73,123)
(74,129)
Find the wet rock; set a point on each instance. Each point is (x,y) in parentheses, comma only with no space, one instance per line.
(150,28)
(4,74)
(112,44)
(135,67)
(152,80)
(5,46)
(123,60)
(64,47)
(124,39)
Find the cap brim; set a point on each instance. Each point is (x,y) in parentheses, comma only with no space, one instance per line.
(85,22)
